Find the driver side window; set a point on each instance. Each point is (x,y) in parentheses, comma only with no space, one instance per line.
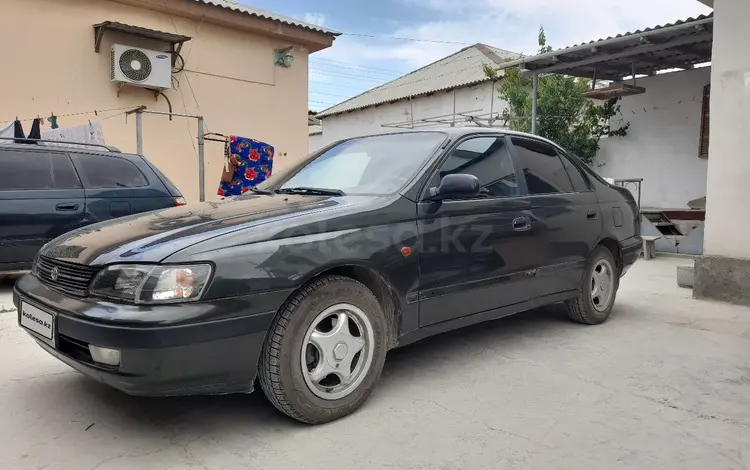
(487,158)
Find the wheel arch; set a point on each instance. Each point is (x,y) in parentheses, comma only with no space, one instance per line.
(381,287)
(614,247)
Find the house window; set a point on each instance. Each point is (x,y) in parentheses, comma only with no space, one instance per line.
(704,122)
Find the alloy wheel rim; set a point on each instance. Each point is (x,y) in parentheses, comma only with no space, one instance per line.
(337,351)
(602,285)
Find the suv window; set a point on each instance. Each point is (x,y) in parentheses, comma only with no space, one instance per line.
(541,166)
(22,170)
(101,171)
(576,177)
(487,158)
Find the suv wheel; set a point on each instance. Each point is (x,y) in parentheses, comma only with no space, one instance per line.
(598,289)
(325,350)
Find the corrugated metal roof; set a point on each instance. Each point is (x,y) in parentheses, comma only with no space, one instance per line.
(461,69)
(681,44)
(641,31)
(239,7)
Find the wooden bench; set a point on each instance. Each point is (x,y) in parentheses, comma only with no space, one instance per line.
(649,246)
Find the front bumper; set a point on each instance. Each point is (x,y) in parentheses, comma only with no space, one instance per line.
(211,347)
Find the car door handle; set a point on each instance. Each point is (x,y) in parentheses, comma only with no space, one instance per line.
(66,206)
(521,223)
(592,214)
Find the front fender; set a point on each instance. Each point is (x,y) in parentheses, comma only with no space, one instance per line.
(284,265)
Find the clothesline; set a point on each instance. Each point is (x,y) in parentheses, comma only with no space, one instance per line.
(94,111)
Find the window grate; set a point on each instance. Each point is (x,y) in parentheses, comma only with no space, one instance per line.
(703,151)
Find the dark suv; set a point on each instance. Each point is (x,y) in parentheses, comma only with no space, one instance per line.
(47,189)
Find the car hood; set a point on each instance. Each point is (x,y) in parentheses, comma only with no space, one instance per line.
(153,236)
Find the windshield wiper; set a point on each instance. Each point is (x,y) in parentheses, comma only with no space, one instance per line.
(258,191)
(312,191)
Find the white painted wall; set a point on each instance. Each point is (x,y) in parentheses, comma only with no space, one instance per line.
(662,145)
(727,223)
(314,141)
(369,120)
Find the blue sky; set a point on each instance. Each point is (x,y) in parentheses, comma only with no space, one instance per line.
(355,63)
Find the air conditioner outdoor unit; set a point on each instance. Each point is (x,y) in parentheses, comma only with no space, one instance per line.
(141,67)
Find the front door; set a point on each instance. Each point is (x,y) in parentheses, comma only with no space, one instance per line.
(470,259)
(40,199)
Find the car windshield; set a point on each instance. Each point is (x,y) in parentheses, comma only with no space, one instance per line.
(374,165)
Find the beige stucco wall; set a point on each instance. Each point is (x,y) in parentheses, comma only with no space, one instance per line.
(49,65)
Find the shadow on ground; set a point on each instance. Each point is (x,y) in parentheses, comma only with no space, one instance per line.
(223,415)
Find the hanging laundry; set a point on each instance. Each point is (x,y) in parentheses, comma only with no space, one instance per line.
(33,136)
(251,163)
(18,132)
(36,131)
(7,130)
(89,133)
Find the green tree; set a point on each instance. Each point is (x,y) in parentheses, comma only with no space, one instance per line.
(564,115)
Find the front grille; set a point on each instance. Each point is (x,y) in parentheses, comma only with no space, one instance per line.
(71,278)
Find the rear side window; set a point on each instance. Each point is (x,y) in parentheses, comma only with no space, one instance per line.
(167,182)
(576,177)
(22,170)
(541,166)
(101,171)
(63,174)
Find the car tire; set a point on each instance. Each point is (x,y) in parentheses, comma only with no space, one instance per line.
(289,384)
(597,297)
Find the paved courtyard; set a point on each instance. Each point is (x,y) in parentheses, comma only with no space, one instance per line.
(664,384)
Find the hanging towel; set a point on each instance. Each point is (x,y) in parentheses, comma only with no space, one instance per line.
(252,162)
(89,133)
(7,130)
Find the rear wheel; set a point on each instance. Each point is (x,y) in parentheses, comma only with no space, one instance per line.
(598,289)
(325,350)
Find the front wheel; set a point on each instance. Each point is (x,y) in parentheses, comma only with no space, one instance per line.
(598,289)
(325,350)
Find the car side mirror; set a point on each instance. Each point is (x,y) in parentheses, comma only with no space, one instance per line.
(455,186)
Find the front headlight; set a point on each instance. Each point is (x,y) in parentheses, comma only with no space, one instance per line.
(152,284)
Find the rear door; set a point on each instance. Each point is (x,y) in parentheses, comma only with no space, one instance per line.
(41,198)
(566,210)
(115,186)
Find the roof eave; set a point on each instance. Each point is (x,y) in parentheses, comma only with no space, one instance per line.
(324,114)
(313,38)
(256,12)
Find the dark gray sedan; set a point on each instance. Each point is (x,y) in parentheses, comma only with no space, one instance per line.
(306,282)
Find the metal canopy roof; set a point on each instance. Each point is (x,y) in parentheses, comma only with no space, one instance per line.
(172,39)
(678,45)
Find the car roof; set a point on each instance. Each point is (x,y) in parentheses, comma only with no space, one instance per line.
(457,132)
(60,146)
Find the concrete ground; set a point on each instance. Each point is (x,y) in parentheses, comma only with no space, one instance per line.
(665,384)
